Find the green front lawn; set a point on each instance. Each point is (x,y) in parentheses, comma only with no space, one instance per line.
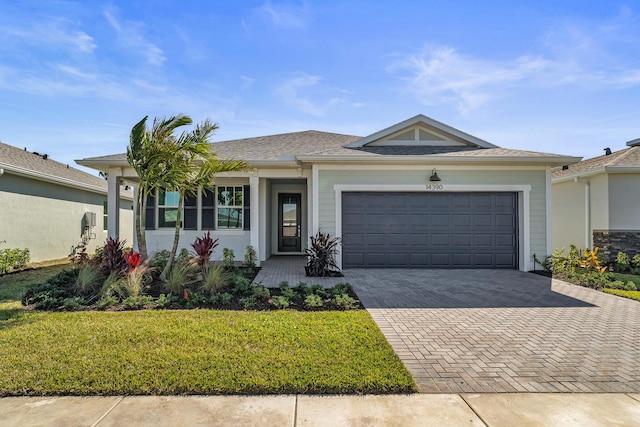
(191,351)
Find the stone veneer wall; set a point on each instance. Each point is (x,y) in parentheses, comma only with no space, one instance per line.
(611,242)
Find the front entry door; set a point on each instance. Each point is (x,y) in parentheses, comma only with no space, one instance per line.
(289,236)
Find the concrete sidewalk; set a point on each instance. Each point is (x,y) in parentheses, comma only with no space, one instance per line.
(492,409)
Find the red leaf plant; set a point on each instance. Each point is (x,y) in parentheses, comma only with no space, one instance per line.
(204,246)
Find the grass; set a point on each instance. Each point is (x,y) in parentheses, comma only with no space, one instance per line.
(627,294)
(190,352)
(626,278)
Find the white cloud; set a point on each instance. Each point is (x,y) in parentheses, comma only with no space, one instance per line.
(440,75)
(283,16)
(130,36)
(53,32)
(304,92)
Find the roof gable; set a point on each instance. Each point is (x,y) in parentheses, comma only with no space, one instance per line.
(422,131)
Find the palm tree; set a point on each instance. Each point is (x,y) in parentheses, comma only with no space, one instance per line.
(193,166)
(149,153)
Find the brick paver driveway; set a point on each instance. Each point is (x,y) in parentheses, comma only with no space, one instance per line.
(504,331)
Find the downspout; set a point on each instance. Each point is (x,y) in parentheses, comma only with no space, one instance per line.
(587,211)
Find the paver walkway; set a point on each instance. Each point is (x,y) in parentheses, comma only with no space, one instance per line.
(474,331)
(290,269)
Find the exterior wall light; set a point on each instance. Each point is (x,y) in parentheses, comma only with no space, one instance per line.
(434,176)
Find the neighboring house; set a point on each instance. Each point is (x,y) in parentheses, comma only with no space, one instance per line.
(596,202)
(53,209)
(416,194)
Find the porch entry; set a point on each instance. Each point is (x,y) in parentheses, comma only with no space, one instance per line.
(289,226)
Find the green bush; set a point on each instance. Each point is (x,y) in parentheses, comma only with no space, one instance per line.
(228,258)
(318,290)
(303,288)
(247,302)
(165,300)
(260,293)
(223,298)
(313,301)
(52,293)
(580,267)
(137,302)
(106,302)
(73,303)
(241,286)
(250,257)
(286,291)
(157,263)
(623,263)
(345,302)
(13,259)
(616,284)
(280,302)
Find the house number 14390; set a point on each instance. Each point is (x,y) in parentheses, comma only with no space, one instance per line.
(435,187)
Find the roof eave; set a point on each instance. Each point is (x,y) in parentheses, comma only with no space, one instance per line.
(439,159)
(56,179)
(596,171)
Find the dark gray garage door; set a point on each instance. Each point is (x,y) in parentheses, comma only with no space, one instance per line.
(437,230)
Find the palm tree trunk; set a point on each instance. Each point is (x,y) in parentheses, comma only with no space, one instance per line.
(176,239)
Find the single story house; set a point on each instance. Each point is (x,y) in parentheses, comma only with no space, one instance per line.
(53,209)
(416,194)
(596,202)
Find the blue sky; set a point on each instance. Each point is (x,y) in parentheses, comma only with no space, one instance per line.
(553,76)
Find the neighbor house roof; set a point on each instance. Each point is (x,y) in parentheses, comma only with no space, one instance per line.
(40,166)
(626,160)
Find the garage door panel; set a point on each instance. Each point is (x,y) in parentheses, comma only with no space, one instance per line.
(462,240)
(505,220)
(437,230)
(396,260)
(418,260)
(439,220)
(461,260)
(483,220)
(378,239)
(505,200)
(461,220)
(483,259)
(505,240)
(505,260)
(481,240)
(440,260)
(376,259)
(397,239)
(440,239)
(417,240)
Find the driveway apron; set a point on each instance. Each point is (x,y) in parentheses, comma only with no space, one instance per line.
(478,331)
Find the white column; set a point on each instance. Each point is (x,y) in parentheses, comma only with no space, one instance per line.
(135,212)
(113,201)
(254,186)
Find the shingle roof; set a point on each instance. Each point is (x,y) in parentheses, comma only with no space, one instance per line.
(315,143)
(628,157)
(36,163)
(273,146)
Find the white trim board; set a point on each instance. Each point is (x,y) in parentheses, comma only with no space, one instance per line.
(524,219)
